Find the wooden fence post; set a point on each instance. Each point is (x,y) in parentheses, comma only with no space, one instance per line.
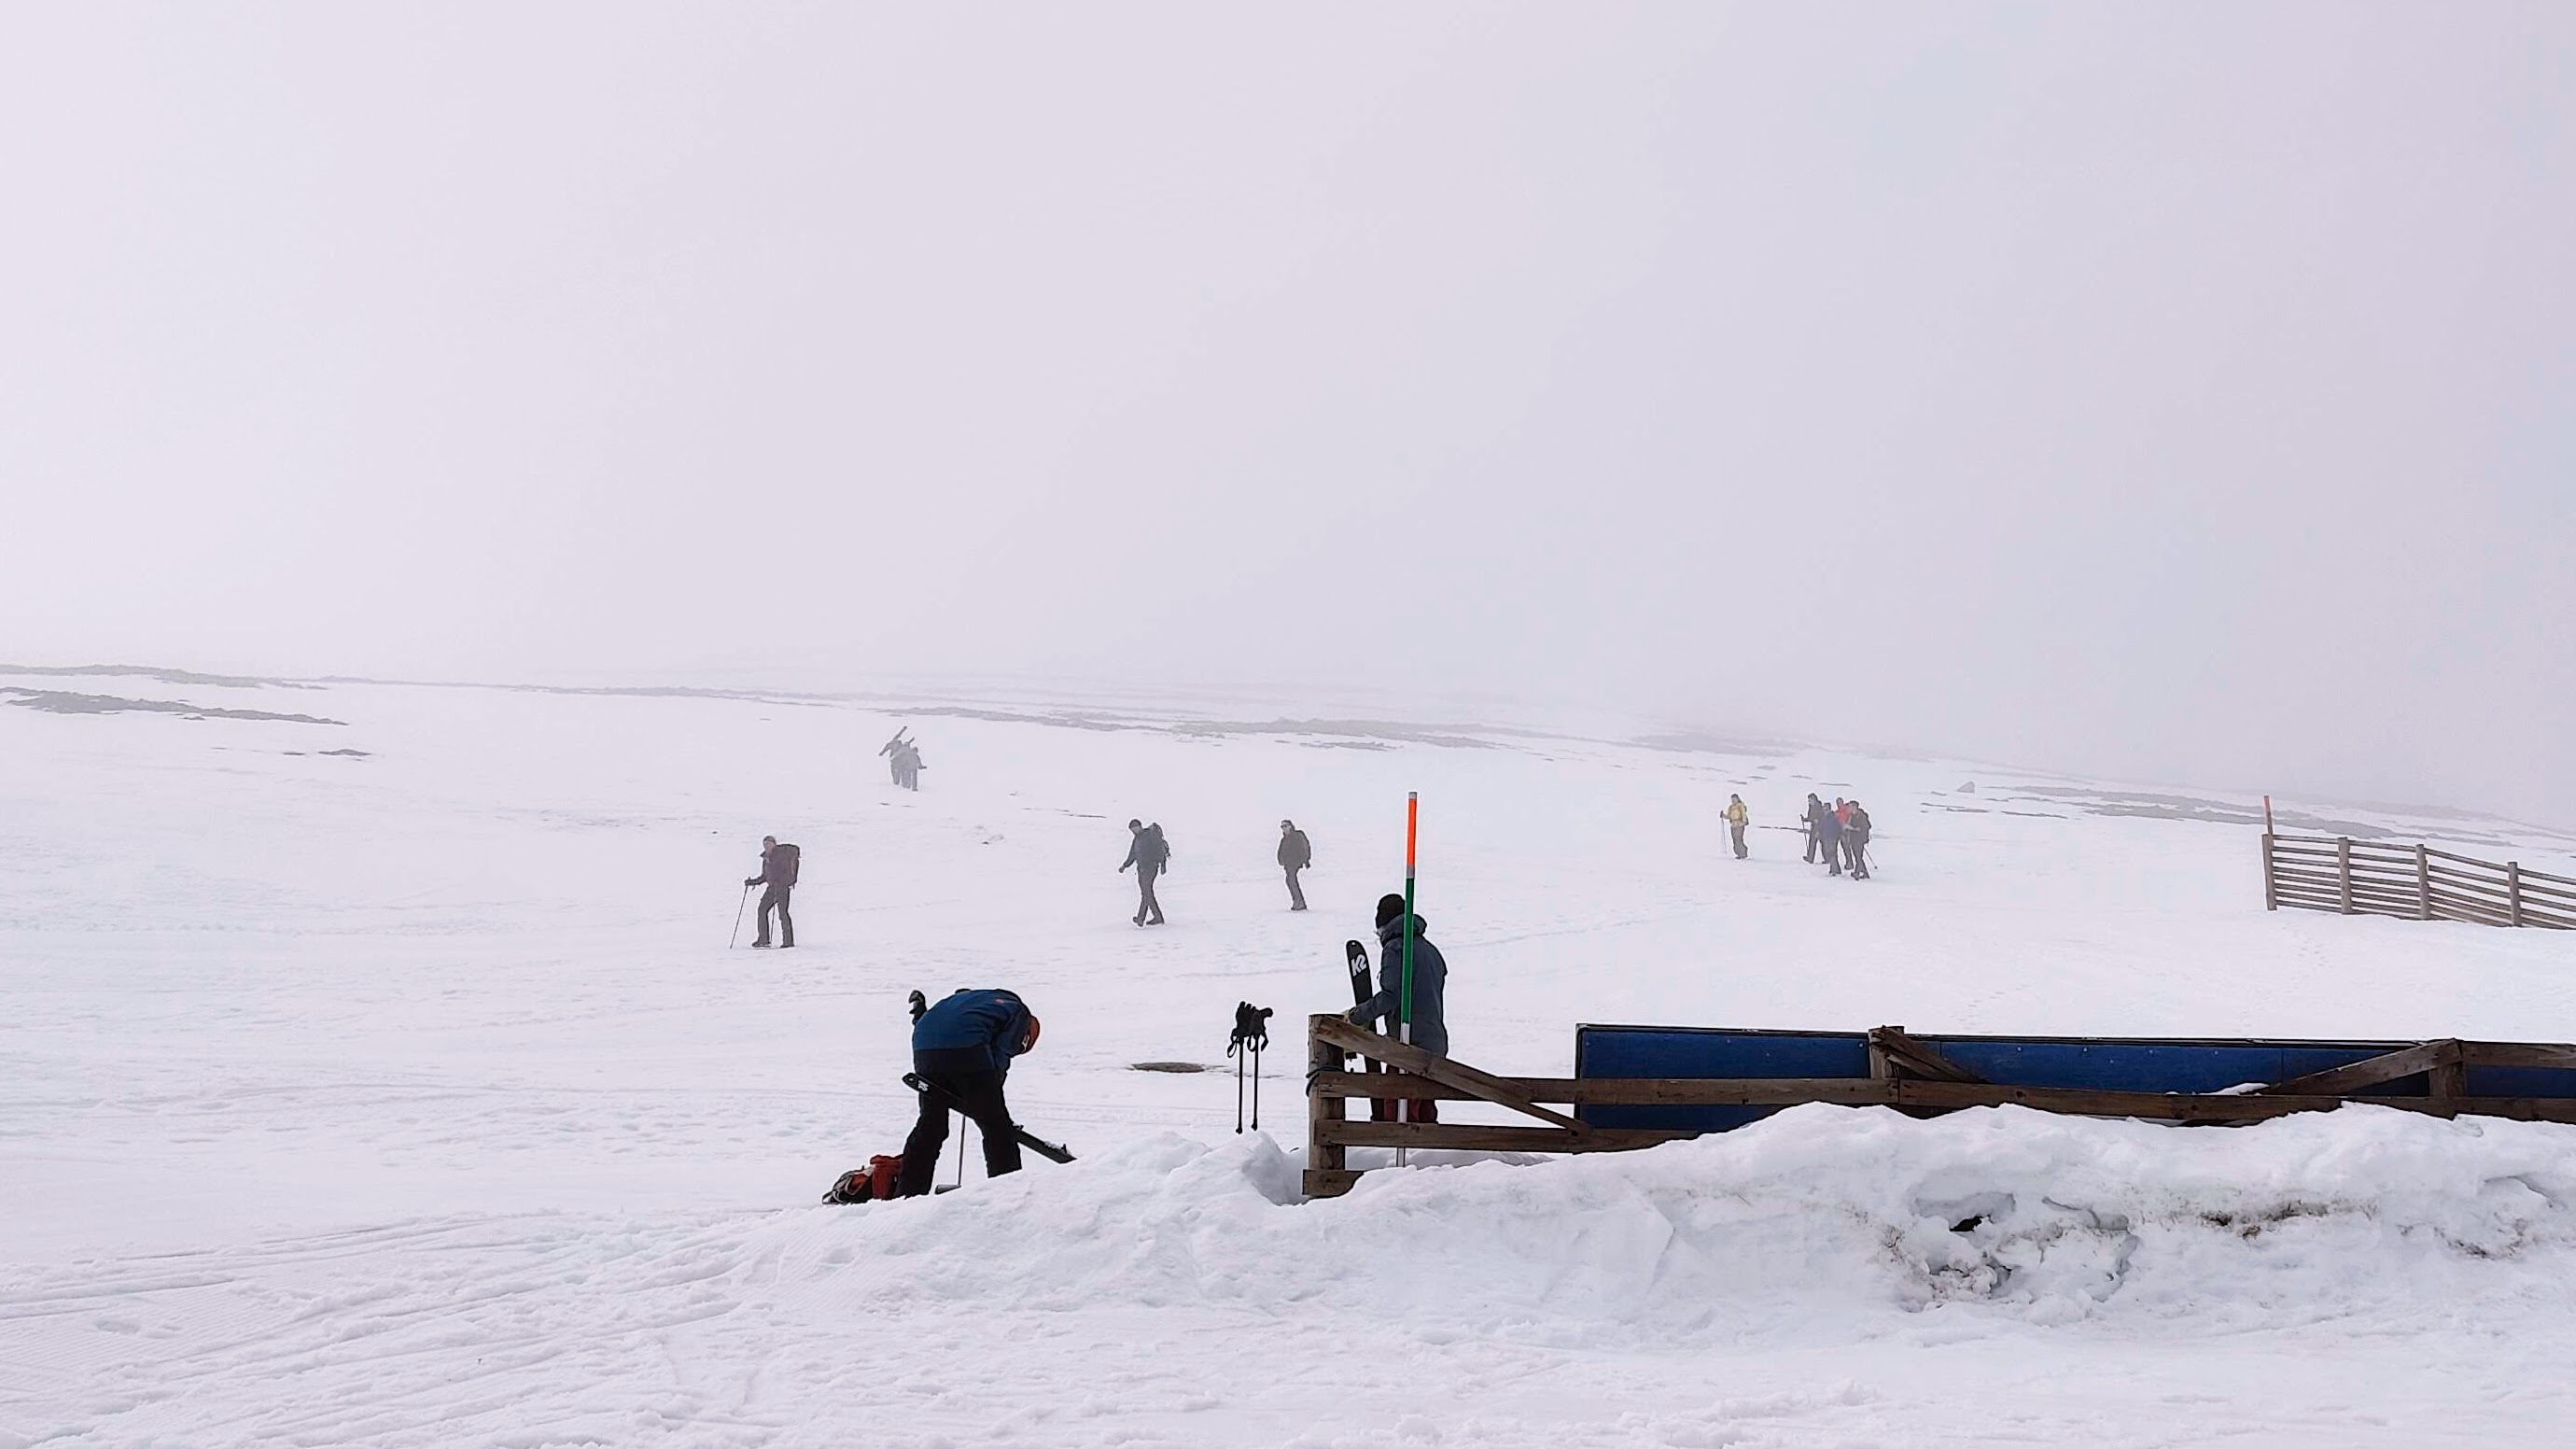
(1327,1164)
(2343,870)
(2271,895)
(2513,892)
(2423,885)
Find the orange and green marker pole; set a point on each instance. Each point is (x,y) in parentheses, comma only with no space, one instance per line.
(1404,1001)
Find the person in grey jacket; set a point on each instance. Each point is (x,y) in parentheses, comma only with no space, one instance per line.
(1150,855)
(1430,1014)
(1295,854)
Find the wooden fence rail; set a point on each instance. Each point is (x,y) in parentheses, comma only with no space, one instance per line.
(2414,882)
(1904,1072)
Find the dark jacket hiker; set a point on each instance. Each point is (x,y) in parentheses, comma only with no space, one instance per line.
(1151,855)
(778,872)
(1430,982)
(1295,854)
(964,1045)
(1430,1015)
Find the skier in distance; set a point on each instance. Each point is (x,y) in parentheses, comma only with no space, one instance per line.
(1150,854)
(1295,854)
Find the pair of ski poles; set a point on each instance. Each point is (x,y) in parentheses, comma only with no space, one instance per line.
(1251,1034)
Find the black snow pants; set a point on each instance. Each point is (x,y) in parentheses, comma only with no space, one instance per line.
(1833,841)
(1296,893)
(775,899)
(981,1090)
(1149,911)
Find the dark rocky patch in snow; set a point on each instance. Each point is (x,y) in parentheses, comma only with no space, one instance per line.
(63,702)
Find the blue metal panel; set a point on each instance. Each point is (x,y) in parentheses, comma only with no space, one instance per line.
(2117,1064)
(2157,1066)
(1628,1051)
(2521,1082)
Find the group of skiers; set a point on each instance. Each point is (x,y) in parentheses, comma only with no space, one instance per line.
(1841,832)
(903,761)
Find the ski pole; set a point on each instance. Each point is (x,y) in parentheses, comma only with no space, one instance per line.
(1256,1089)
(961,1149)
(1238,1094)
(736,938)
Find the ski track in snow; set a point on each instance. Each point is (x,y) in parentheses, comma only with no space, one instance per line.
(413,1099)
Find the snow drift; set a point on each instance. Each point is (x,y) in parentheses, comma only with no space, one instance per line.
(2050,1218)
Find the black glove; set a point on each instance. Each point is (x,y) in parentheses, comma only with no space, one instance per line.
(755,880)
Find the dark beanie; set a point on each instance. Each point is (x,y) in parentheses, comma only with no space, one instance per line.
(1388,908)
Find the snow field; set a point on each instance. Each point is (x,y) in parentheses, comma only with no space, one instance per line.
(414,1099)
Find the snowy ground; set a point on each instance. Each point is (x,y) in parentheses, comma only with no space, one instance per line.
(412,1097)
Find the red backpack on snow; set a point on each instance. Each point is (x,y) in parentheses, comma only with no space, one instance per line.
(872,1183)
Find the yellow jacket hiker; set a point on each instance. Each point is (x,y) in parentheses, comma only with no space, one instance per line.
(1737,817)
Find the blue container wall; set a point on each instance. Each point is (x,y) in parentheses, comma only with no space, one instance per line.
(2102,1064)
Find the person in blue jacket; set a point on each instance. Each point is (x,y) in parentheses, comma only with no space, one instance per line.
(964,1044)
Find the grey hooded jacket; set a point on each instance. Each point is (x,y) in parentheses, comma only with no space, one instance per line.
(1430,987)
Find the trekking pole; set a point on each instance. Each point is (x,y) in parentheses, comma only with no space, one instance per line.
(736,938)
(1251,1034)
(961,1149)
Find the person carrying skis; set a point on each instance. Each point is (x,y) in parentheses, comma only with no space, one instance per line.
(1295,854)
(1815,820)
(777,872)
(1856,841)
(1430,1013)
(1737,817)
(963,1046)
(1150,855)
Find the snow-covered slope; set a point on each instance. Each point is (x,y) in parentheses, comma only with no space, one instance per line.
(411,1096)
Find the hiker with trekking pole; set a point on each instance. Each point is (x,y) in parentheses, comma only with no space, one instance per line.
(778,865)
(1856,841)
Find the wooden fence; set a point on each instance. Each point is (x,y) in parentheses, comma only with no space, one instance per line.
(1905,1072)
(2416,882)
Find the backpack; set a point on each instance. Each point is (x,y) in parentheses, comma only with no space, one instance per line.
(1161,848)
(872,1183)
(785,857)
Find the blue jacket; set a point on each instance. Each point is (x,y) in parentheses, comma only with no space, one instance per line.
(991,1021)
(1430,987)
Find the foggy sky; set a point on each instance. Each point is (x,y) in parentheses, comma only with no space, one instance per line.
(2180,391)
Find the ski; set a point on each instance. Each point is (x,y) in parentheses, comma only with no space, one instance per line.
(947,1099)
(1357,956)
